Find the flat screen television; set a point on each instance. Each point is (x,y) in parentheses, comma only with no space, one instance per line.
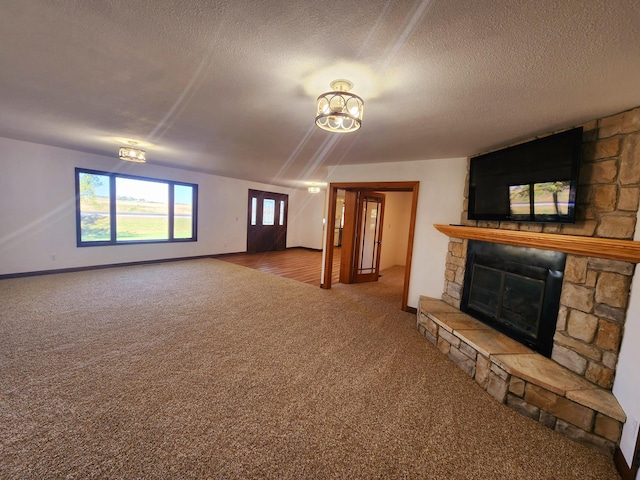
(534,181)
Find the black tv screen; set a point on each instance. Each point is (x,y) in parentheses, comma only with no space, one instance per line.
(534,181)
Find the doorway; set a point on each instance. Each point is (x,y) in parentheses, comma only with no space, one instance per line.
(370,187)
(267,221)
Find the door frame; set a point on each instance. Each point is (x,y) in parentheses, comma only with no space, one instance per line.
(412,186)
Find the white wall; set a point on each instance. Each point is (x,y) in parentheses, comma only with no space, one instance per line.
(37,211)
(626,387)
(306,220)
(440,201)
(395,232)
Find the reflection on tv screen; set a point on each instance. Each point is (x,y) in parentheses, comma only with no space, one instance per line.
(549,199)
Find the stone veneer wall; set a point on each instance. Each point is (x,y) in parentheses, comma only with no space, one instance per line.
(595,292)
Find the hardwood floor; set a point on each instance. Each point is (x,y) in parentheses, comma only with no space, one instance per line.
(298,264)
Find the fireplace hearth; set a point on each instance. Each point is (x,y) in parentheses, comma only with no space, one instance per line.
(515,290)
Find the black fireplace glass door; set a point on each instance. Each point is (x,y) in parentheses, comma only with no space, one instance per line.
(485,291)
(515,290)
(510,299)
(522,304)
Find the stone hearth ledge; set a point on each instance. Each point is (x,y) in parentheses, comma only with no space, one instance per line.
(530,383)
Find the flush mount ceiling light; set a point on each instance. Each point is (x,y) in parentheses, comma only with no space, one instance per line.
(339,111)
(131,154)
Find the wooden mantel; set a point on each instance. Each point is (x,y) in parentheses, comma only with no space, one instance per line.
(610,248)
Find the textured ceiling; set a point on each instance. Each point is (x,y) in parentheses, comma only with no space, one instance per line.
(228,86)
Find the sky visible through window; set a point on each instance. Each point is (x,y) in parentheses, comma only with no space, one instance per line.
(145,190)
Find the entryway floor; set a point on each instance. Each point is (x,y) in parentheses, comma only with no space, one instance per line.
(299,264)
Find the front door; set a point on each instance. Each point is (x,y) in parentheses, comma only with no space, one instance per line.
(362,237)
(267,221)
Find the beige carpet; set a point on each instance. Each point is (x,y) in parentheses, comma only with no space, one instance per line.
(204,369)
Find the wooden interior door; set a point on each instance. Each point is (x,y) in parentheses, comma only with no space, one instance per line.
(349,230)
(267,221)
(369,237)
(361,237)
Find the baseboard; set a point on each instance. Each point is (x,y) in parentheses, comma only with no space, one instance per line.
(305,248)
(626,472)
(223,255)
(99,267)
(413,310)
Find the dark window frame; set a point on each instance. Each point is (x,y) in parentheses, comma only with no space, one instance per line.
(113,214)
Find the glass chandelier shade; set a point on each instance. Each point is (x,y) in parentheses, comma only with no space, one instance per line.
(131,154)
(339,111)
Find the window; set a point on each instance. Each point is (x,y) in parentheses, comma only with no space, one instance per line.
(269,211)
(254,210)
(281,222)
(114,209)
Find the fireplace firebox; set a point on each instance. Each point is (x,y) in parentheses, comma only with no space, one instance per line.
(515,290)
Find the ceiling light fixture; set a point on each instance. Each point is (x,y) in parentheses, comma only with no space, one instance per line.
(339,111)
(313,189)
(131,154)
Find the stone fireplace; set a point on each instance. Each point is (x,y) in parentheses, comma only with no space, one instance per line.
(595,290)
(571,391)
